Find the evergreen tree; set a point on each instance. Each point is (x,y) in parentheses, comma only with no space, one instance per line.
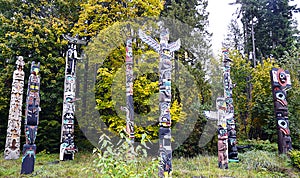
(268,27)
(234,37)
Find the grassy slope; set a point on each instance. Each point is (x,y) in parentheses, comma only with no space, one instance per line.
(47,165)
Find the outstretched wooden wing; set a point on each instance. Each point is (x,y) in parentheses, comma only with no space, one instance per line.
(150,41)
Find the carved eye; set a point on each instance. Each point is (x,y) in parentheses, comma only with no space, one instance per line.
(282,77)
(280,95)
(283,124)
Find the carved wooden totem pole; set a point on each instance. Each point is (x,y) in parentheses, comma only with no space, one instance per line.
(129,109)
(12,146)
(67,145)
(281,82)
(31,119)
(165,68)
(229,114)
(222,134)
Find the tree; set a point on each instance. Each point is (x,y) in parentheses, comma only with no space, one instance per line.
(269,35)
(255,112)
(240,72)
(293,94)
(268,27)
(234,37)
(97,15)
(101,21)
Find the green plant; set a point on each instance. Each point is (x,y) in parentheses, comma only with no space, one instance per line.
(263,145)
(295,158)
(263,161)
(123,160)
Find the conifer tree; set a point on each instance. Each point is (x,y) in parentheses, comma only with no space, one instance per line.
(268,27)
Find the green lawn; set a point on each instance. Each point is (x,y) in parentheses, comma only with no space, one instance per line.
(48,165)
(252,164)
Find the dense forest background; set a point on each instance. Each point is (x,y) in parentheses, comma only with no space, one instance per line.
(268,38)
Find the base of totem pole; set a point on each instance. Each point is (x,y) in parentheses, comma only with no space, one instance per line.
(233,160)
(67,153)
(221,166)
(68,157)
(28,159)
(65,156)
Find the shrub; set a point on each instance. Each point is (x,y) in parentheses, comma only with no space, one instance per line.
(295,158)
(123,160)
(264,145)
(263,161)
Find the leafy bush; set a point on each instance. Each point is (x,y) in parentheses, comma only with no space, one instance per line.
(123,160)
(264,145)
(295,158)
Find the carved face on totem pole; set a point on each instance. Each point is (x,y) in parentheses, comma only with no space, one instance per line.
(283,125)
(282,77)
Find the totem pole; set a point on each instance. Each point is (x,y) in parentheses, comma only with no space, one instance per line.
(165,66)
(281,82)
(222,134)
(12,146)
(31,119)
(129,109)
(67,145)
(229,114)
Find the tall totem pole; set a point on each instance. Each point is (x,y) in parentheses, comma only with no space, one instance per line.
(281,82)
(12,146)
(31,119)
(165,68)
(67,145)
(229,114)
(129,109)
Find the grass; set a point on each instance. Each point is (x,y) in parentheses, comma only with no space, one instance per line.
(206,166)
(48,165)
(252,164)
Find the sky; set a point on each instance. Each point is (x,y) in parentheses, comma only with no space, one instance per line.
(219,18)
